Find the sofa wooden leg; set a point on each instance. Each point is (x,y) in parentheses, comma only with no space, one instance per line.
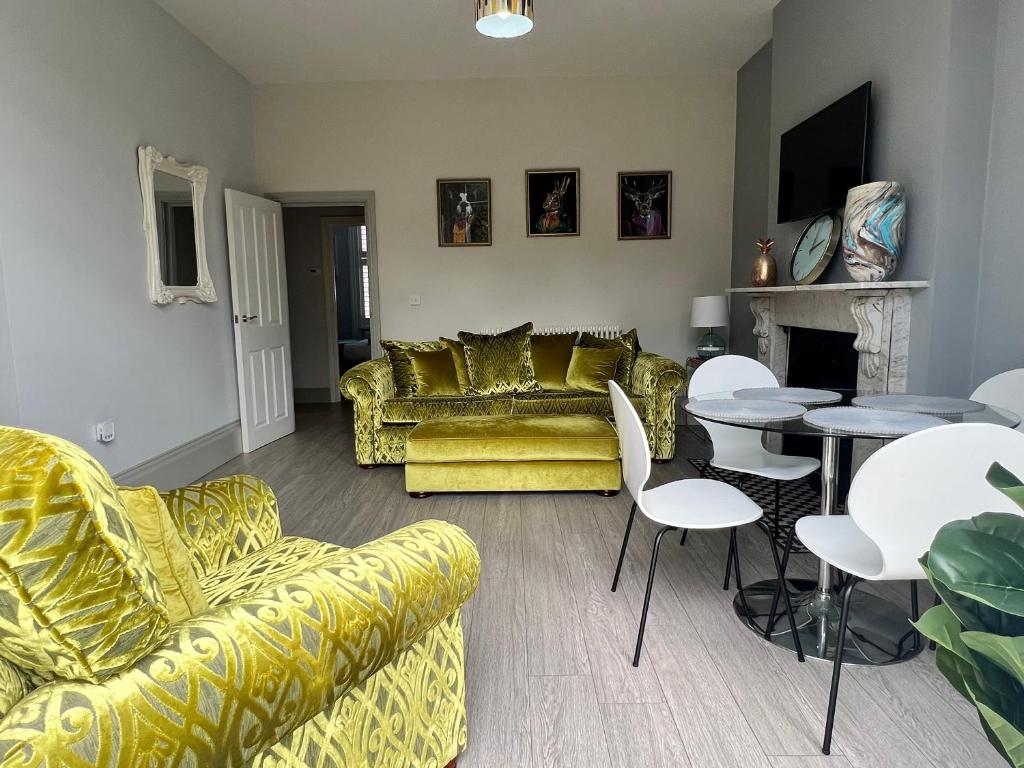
(451,764)
(607,493)
(419,494)
(367,466)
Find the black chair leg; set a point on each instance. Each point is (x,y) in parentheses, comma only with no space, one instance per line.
(915,614)
(728,561)
(776,505)
(647,597)
(781,576)
(781,584)
(931,643)
(837,664)
(622,551)
(682,539)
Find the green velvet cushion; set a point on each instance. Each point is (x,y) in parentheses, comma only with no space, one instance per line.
(590,370)
(459,356)
(500,363)
(401,365)
(551,354)
(629,341)
(434,371)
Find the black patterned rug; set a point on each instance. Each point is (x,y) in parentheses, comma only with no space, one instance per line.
(796,497)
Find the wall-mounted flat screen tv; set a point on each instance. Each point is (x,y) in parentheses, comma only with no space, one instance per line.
(824,156)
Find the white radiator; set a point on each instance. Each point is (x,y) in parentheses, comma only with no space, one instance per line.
(602,331)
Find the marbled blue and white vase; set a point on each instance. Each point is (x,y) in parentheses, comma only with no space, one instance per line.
(874,231)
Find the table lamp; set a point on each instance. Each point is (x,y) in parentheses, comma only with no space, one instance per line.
(710,312)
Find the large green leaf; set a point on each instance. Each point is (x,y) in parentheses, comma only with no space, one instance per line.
(983,559)
(1006,652)
(941,625)
(1004,736)
(1000,477)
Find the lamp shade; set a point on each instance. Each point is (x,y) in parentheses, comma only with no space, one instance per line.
(504,18)
(709,312)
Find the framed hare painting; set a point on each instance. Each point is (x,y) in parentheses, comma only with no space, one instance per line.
(553,202)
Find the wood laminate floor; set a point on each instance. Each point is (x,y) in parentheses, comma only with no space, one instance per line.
(549,646)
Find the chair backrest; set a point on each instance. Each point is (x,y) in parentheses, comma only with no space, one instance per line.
(636,453)
(1004,390)
(910,488)
(732,445)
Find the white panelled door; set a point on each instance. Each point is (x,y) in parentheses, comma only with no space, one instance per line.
(259,297)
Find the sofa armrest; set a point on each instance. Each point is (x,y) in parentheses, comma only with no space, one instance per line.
(659,379)
(228,684)
(223,520)
(368,385)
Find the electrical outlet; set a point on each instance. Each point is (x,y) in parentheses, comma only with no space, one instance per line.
(414,300)
(103,432)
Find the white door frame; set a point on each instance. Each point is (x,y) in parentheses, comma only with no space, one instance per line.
(366,199)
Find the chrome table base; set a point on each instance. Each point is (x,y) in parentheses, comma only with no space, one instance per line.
(879,631)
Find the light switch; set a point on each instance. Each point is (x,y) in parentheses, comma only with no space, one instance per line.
(103,432)
(414,300)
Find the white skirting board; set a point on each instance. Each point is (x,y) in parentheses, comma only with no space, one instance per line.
(186,463)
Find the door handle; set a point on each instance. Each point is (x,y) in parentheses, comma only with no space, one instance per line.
(247,318)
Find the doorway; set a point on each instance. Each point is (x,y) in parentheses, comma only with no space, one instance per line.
(332,288)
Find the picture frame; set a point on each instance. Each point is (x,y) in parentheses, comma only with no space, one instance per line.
(645,205)
(464,212)
(553,202)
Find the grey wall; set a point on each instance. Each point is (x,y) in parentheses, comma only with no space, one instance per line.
(931,64)
(83,85)
(999,340)
(750,213)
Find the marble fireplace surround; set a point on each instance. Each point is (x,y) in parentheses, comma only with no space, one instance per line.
(879,313)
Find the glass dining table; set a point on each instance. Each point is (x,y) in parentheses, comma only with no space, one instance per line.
(879,630)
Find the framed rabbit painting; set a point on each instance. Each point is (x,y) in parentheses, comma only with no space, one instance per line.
(553,202)
(645,205)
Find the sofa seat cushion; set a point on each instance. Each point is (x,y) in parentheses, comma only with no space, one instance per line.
(272,565)
(569,402)
(413,410)
(513,438)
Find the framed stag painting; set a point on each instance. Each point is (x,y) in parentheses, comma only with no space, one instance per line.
(645,205)
(463,212)
(553,202)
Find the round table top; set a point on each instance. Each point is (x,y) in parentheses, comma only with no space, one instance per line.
(986,414)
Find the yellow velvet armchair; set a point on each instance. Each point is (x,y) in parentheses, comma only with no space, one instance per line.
(309,654)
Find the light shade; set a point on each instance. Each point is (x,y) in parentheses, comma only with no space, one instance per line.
(709,312)
(504,18)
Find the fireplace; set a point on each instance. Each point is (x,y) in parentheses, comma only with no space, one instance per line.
(821,359)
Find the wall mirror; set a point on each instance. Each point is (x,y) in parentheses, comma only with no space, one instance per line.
(172,204)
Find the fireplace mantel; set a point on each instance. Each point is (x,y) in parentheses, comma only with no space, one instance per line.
(894,285)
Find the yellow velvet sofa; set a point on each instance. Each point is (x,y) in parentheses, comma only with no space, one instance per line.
(383,420)
(308,654)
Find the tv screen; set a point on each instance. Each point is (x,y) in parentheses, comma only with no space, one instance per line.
(824,156)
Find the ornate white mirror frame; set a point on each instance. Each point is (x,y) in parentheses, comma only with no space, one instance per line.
(150,161)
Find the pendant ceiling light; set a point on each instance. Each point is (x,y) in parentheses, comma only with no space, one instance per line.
(504,18)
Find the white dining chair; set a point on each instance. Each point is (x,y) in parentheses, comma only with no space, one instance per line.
(683,504)
(899,499)
(736,448)
(1004,390)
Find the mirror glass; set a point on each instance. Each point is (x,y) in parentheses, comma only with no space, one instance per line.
(176,229)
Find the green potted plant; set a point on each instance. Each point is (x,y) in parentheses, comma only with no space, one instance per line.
(976,567)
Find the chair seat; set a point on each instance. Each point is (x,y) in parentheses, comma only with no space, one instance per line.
(699,504)
(774,466)
(838,541)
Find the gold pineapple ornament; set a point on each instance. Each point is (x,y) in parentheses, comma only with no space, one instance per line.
(764,273)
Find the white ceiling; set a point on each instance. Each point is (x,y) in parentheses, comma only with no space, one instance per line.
(292,41)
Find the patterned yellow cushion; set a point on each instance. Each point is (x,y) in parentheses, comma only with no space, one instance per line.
(401,365)
(167,552)
(412,410)
(590,370)
(501,363)
(551,353)
(78,596)
(458,350)
(435,372)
